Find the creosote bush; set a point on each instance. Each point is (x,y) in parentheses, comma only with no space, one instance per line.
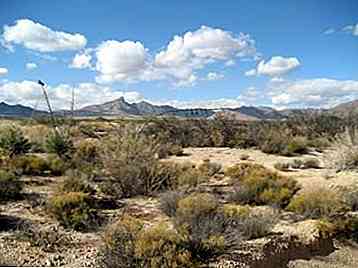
(255,184)
(13,141)
(161,246)
(317,203)
(73,210)
(169,202)
(75,181)
(209,168)
(10,186)
(36,165)
(118,247)
(199,218)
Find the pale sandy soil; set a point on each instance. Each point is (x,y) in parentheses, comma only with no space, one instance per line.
(308,178)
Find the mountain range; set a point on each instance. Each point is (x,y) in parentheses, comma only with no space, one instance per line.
(120,107)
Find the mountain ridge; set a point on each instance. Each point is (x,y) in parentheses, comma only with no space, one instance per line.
(120,107)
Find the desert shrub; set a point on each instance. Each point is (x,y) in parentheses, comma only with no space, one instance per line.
(37,136)
(75,181)
(311,163)
(317,203)
(199,218)
(209,168)
(282,166)
(50,238)
(130,161)
(189,176)
(13,141)
(118,248)
(251,223)
(254,184)
(10,186)
(161,246)
(36,165)
(296,145)
(73,210)
(350,196)
(86,152)
(297,163)
(59,142)
(169,202)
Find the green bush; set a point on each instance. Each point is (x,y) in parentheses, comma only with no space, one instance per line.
(73,210)
(160,246)
(59,142)
(13,142)
(199,218)
(131,163)
(317,203)
(119,241)
(87,152)
(282,166)
(255,184)
(75,181)
(250,223)
(209,168)
(10,186)
(169,202)
(37,166)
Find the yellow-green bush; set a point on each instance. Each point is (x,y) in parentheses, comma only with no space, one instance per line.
(209,168)
(255,184)
(86,152)
(160,246)
(36,165)
(10,186)
(118,247)
(73,210)
(75,181)
(199,218)
(317,203)
(249,222)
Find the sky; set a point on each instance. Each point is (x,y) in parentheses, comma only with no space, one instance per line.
(283,54)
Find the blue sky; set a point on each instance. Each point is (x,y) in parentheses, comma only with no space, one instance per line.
(226,53)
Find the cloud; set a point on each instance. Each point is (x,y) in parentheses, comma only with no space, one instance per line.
(130,61)
(31,66)
(35,36)
(122,61)
(251,72)
(353,29)
(320,92)
(30,93)
(329,31)
(275,67)
(81,61)
(194,50)
(3,71)
(214,76)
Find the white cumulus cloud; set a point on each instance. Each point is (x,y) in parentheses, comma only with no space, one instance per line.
(3,71)
(31,66)
(35,36)
(353,29)
(30,93)
(277,66)
(320,92)
(81,61)
(178,62)
(214,76)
